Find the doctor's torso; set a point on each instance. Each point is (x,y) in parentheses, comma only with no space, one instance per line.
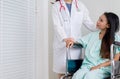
(71,22)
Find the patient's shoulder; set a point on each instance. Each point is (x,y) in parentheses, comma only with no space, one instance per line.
(94,33)
(117,37)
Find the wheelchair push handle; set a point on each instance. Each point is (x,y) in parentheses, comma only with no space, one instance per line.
(77,45)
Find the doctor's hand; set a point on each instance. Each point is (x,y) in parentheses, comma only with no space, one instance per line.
(70,44)
(68,40)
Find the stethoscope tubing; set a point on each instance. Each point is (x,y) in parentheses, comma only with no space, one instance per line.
(63,7)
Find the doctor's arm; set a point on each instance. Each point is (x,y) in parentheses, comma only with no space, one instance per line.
(88,22)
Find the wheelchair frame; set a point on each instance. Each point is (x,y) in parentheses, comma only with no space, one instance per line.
(116,43)
(112,76)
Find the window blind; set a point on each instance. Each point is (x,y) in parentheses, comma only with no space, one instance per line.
(17,41)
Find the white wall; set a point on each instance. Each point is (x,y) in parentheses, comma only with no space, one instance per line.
(96,8)
(51,74)
(42,39)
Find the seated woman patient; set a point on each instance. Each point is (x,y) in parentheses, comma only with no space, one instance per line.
(96,64)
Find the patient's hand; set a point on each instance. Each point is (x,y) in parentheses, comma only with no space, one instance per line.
(95,67)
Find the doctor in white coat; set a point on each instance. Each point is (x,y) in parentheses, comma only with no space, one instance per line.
(68,18)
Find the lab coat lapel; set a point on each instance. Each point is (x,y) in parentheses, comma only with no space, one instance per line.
(73,9)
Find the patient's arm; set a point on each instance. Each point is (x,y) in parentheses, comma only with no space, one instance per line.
(107,63)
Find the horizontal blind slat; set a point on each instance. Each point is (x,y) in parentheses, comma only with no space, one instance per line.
(17,21)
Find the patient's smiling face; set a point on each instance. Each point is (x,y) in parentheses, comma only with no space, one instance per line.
(102,23)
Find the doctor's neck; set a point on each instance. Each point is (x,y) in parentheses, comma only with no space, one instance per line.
(68,1)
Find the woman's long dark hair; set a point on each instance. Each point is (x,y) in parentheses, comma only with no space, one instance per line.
(57,0)
(109,37)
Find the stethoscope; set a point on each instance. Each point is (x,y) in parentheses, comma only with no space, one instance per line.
(62,10)
(63,7)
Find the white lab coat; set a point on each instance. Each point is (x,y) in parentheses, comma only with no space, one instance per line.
(66,25)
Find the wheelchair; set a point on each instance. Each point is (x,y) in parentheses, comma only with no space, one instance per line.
(73,65)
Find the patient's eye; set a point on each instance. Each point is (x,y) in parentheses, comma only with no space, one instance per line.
(100,20)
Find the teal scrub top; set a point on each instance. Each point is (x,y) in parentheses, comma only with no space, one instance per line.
(92,45)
